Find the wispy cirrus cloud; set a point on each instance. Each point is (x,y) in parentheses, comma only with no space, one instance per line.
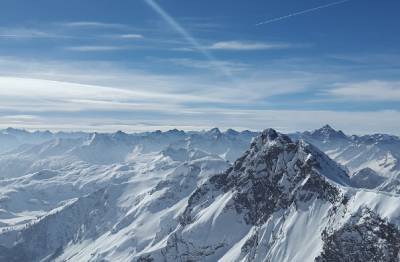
(247,46)
(57,96)
(73,79)
(233,66)
(26,33)
(103,96)
(373,90)
(131,36)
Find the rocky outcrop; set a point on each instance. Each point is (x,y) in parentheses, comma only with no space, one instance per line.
(365,237)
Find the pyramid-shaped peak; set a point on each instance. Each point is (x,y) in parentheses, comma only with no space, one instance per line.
(327,126)
(278,149)
(328,132)
(326,129)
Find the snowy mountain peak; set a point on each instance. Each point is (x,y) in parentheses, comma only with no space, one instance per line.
(327,132)
(14,131)
(271,175)
(279,150)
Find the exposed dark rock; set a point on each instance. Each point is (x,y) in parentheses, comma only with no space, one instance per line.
(366,237)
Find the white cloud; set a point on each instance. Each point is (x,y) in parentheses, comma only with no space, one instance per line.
(16,95)
(232,66)
(251,85)
(25,33)
(374,90)
(247,46)
(131,36)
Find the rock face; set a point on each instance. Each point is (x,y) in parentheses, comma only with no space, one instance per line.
(365,237)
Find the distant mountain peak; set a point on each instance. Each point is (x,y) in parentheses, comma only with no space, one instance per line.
(328,132)
(231,132)
(327,129)
(327,126)
(214,131)
(12,131)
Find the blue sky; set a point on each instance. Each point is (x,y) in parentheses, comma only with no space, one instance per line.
(157,64)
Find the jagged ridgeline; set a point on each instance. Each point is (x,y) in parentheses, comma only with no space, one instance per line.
(174,199)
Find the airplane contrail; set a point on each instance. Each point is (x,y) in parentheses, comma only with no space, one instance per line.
(189,38)
(302,12)
(175,25)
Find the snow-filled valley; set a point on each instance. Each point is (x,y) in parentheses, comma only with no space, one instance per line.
(199,196)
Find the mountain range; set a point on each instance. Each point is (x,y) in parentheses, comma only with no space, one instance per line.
(199,196)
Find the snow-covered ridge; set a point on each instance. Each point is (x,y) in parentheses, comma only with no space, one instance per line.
(60,149)
(379,152)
